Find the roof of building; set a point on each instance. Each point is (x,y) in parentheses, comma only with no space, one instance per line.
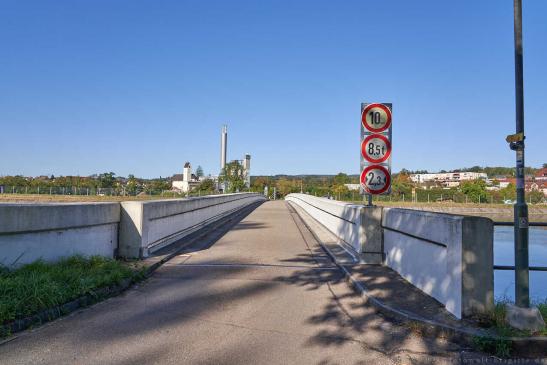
(542,172)
(177,177)
(187,164)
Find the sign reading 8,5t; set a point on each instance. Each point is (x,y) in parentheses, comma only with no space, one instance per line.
(376,148)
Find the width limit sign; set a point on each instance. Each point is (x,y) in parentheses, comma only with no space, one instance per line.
(376,147)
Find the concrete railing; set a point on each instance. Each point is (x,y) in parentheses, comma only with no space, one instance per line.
(29,232)
(449,257)
(357,226)
(131,229)
(147,226)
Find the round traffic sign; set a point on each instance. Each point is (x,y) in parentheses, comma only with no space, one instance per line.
(375,179)
(376,117)
(376,148)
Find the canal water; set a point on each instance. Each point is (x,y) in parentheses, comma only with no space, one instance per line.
(504,281)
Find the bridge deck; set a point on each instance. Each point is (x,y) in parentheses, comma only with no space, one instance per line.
(265,293)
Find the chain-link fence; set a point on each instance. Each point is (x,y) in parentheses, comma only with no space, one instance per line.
(436,196)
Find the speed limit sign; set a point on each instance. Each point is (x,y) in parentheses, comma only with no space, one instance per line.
(376,148)
(375,179)
(376,145)
(376,117)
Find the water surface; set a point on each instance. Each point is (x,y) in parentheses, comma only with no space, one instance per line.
(504,281)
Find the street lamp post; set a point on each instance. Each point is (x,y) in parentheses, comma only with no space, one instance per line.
(522,297)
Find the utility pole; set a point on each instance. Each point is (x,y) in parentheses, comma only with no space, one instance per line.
(522,295)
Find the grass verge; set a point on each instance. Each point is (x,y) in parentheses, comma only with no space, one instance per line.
(39,286)
(495,320)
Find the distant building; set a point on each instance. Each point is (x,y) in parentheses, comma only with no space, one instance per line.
(541,175)
(353,187)
(186,181)
(247,170)
(447,179)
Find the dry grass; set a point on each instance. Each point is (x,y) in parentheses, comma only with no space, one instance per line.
(18,198)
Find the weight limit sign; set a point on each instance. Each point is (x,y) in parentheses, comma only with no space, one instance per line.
(375,179)
(376,148)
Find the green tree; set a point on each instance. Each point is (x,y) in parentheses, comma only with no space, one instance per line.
(535,197)
(341,179)
(232,176)
(509,192)
(106,180)
(475,190)
(340,191)
(206,185)
(258,183)
(401,185)
(285,186)
(156,186)
(131,185)
(199,171)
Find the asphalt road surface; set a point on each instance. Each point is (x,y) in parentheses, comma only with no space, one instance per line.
(265,293)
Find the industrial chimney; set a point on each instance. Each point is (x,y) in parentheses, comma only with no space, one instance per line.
(223,146)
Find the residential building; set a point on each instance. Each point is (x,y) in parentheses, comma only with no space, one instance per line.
(447,179)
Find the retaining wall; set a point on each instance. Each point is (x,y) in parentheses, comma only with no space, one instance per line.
(29,232)
(147,226)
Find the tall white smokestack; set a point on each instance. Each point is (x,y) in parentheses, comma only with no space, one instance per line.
(223,146)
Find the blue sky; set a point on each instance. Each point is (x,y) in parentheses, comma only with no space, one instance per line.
(143,86)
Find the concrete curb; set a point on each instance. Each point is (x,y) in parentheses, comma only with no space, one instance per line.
(101,294)
(524,346)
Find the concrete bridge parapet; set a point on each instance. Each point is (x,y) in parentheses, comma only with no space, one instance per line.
(147,226)
(449,257)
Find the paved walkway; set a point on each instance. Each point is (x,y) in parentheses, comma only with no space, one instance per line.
(265,293)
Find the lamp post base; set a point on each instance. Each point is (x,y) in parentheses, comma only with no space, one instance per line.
(524,318)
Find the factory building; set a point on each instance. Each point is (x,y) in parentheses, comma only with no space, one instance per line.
(245,171)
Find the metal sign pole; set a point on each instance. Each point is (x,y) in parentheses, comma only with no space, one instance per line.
(522,295)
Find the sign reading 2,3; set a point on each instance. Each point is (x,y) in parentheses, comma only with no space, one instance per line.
(375,179)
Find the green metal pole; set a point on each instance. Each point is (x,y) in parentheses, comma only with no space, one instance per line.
(522,295)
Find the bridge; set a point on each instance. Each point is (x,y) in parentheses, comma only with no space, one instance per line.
(244,280)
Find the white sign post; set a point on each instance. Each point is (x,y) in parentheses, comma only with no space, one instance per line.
(376,147)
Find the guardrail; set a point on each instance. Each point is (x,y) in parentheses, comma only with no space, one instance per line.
(512,267)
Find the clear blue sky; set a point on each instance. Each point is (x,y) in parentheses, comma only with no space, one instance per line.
(143,86)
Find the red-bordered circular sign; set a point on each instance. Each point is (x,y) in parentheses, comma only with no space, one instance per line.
(376,148)
(376,118)
(375,179)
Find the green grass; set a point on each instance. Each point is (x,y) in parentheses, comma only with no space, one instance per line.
(495,320)
(39,286)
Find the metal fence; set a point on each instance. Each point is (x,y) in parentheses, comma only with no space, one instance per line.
(96,191)
(512,267)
